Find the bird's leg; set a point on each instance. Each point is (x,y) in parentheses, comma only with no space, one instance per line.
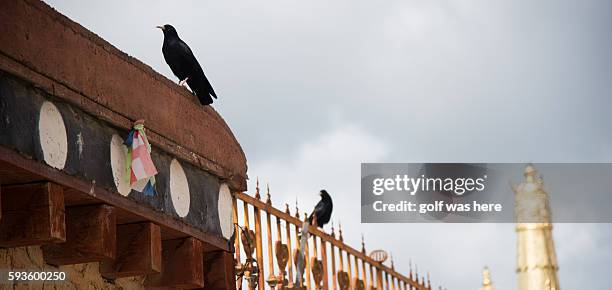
(314,220)
(183,82)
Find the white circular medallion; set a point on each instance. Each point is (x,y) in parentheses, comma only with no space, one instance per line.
(118,153)
(179,189)
(224,206)
(52,135)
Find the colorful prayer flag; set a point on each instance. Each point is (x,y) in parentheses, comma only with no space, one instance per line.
(140,170)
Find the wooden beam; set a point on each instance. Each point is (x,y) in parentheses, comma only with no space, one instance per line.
(219,271)
(139,251)
(182,265)
(90,236)
(177,228)
(32,214)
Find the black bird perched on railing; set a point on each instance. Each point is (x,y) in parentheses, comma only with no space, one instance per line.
(322,211)
(184,65)
(318,218)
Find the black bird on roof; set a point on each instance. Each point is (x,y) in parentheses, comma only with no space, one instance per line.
(184,65)
(322,211)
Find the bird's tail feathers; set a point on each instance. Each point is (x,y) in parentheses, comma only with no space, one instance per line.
(203,90)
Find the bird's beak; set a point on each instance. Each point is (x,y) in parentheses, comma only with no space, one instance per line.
(160,27)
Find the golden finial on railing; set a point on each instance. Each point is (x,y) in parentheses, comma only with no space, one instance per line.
(340,232)
(428,281)
(268,197)
(363,250)
(257,195)
(297,210)
(410,268)
(416,273)
(333,230)
(287,209)
(392,264)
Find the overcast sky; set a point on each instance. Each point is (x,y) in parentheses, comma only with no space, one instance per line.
(313,88)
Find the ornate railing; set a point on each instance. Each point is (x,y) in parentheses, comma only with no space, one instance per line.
(329,262)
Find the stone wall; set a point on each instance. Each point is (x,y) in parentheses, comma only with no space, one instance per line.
(79,276)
